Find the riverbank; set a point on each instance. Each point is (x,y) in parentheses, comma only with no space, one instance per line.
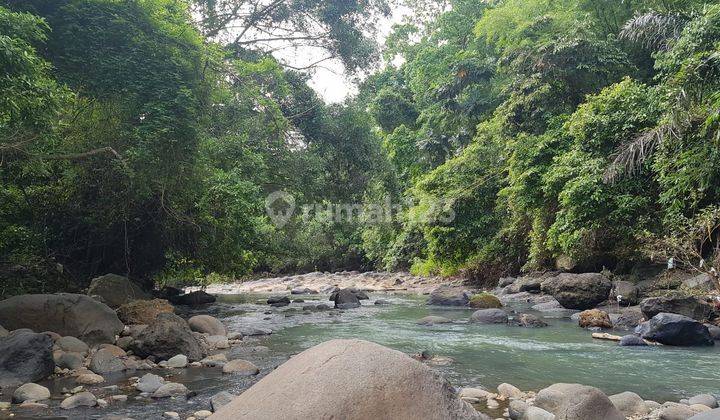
(470,355)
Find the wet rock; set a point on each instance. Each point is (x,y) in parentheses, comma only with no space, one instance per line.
(167,336)
(350,379)
(25,357)
(529,321)
(89,379)
(67,360)
(64,313)
(517,409)
(278,301)
(675,330)
(688,306)
(143,312)
(629,404)
(484,301)
(714,331)
(489,316)
(382,302)
(220,399)
(578,291)
(345,299)
(703,399)
(149,383)
(170,389)
(83,399)
(196,298)
(632,340)
(629,319)
(625,292)
(254,331)
(303,291)
(448,296)
(594,318)
(72,345)
(30,392)
(105,361)
(177,362)
(577,402)
(240,367)
(207,324)
(116,290)
(509,391)
(476,393)
(432,320)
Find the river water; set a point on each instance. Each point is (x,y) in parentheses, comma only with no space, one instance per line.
(484,355)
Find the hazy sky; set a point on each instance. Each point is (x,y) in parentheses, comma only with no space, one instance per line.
(331,83)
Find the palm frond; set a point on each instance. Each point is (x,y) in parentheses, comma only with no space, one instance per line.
(654,30)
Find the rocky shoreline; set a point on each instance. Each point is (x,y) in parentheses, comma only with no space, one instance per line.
(85,342)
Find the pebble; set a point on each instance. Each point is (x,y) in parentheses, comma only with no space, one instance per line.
(171,415)
(202,414)
(89,379)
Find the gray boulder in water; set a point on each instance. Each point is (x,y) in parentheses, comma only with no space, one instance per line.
(449,296)
(350,380)
(345,299)
(166,337)
(489,316)
(578,291)
(689,306)
(675,330)
(63,313)
(25,357)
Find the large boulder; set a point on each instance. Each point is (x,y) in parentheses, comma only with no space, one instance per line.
(115,290)
(448,296)
(484,301)
(689,306)
(630,404)
(629,319)
(594,318)
(702,282)
(143,312)
(196,298)
(625,292)
(675,330)
(578,291)
(577,402)
(489,316)
(25,357)
(165,337)
(350,380)
(63,313)
(345,299)
(207,324)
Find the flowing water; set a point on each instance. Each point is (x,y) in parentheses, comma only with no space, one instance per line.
(484,355)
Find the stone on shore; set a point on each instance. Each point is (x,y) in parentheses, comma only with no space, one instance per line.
(89,379)
(484,301)
(63,313)
(67,360)
(30,392)
(675,330)
(707,415)
(178,362)
(278,301)
(629,404)
(142,312)
(489,316)
(578,291)
(577,402)
(448,296)
(196,298)
(704,399)
(537,413)
(625,292)
(207,324)
(82,399)
(220,399)
(25,357)
(689,306)
(702,282)
(115,290)
(106,361)
(3,332)
(72,345)
(352,380)
(166,337)
(629,319)
(509,391)
(149,383)
(432,320)
(594,318)
(240,367)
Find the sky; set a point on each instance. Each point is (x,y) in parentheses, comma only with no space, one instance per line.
(331,82)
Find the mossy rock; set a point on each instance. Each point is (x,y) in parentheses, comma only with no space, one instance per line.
(484,301)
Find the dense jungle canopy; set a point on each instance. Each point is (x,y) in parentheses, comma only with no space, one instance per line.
(142,137)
